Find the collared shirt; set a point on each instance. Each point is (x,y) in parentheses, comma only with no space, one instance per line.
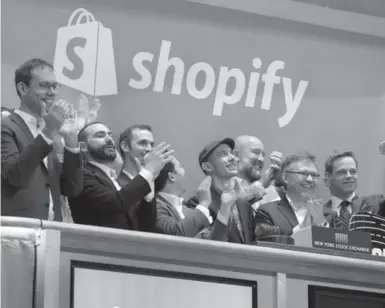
(111,173)
(148,177)
(35,126)
(300,212)
(336,203)
(177,203)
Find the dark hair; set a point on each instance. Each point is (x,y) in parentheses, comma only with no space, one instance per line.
(161,180)
(128,135)
(24,72)
(337,154)
(300,156)
(82,134)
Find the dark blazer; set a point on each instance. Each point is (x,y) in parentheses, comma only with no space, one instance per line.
(229,233)
(25,180)
(168,220)
(371,203)
(142,215)
(101,204)
(275,218)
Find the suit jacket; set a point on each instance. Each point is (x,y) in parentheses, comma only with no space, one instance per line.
(230,232)
(25,179)
(142,215)
(275,218)
(372,203)
(168,220)
(101,204)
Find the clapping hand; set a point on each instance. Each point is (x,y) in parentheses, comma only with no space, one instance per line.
(204,192)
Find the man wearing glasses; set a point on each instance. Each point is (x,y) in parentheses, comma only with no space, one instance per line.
(32,176)
(299,208)
(341,178)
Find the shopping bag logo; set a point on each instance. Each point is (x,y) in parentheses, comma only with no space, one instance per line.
(84,55)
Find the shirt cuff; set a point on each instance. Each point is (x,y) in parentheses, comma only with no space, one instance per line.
(325,224)
(296,228)
(147,175)
(72,150)
(205,212)
(222,218)
(46,139)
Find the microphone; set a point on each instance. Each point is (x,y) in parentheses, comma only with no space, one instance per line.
(382,147)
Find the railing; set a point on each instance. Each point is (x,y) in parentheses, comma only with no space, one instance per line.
(282,274)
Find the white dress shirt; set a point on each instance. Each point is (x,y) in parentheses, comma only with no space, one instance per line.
(300,213)
(177,203)
(336,203)
(35,126)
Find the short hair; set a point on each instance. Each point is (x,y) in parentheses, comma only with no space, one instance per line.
(82,134)
(299,156)
(161,180)
(24,72)
(337,154)
(128,135)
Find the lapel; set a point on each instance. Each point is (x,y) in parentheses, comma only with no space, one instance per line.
(168,205)
(22,126)
(244,217)
(99,174)
(26,132)
(360,204)
(287,212)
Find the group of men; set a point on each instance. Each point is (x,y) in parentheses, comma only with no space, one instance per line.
(137,183)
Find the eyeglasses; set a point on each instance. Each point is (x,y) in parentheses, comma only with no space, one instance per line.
(47,86)
(305,174)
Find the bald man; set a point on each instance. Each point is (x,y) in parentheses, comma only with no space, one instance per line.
(250,167)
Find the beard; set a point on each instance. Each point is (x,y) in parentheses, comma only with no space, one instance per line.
(103,153)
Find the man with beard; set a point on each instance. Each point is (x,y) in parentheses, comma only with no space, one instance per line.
(32,178)
(103,202)
(298,208)
(341,178)
(250,168)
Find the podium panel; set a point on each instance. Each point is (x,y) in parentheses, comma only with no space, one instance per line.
(105,285)
(320,297)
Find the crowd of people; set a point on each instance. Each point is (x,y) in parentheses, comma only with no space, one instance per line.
(54,169)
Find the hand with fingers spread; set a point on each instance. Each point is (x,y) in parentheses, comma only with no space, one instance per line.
(55,118)
(155,160)
(231,193)
(274,168)
(254,191)
(315,210)
(204,192)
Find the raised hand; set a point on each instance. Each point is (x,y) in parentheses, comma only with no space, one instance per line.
(155,160)
(204,192)
(315,209)
(55,118)
(253,191)
(71,123)
(274,168)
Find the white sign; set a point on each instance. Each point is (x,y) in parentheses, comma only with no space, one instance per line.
(111,289)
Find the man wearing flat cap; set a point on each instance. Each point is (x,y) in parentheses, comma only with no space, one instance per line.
(222,190)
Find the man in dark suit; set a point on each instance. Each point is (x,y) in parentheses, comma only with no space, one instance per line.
(341,177)
(298,208)
(134,144)
(103,202)
(31,176)
(173,216)
(233,219)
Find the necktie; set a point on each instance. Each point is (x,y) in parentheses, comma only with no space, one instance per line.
(345,214)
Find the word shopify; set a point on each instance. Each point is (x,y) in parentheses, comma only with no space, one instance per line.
(218,82)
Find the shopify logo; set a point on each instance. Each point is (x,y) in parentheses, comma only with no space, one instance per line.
(244,91)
